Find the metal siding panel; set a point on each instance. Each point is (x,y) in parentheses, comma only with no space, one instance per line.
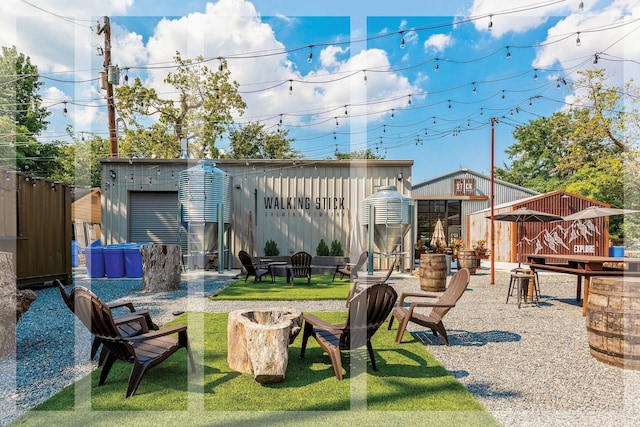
(153,217)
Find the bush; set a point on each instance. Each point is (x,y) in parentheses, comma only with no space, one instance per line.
(271,248)
(322,249)
(336,249)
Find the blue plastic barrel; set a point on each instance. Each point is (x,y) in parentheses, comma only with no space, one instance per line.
(114,261)
(616,251)
(94,258)
(132,260)
(76,250)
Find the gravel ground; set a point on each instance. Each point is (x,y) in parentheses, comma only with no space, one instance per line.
(528,366)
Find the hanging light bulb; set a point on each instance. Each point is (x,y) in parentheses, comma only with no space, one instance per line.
(449,106)
(280,119)
(401,39)
(595,58)
(503,96)
(310,57)
(437,67)
(581,5)
(221,66)
(345,110)
(578,42)
(474,88)
(409,101)
(365,76)
(337,124)
(481,113)
(434,120)
(334,136)
(490,22)
(65,112)
(392,113)
(384,128)
(535,74)
(508,53)
(290,87)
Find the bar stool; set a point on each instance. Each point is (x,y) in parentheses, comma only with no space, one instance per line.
(520,280)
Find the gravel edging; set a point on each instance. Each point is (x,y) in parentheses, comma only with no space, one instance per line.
(528,366)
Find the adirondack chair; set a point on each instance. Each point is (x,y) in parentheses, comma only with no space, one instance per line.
(433,320)
(300,267)
(144,351)
(365,281)
(129,325)
(250,267)
(368,310)
(351,270)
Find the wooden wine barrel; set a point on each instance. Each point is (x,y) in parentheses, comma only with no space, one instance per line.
(613,321)
(467,259)
(433,272)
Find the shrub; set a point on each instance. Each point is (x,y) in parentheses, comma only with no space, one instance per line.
(336,249)
(271,248)
(322,249)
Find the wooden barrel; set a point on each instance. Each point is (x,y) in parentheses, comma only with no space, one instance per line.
(467,259)
(613,321)
(433,272)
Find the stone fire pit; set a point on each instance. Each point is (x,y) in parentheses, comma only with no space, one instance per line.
(258,341)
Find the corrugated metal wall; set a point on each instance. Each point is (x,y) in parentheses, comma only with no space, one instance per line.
(562,237)
(35,225)
(294,203)
(443,188)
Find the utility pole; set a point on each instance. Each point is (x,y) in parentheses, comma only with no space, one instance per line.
(494,120)
(111,108)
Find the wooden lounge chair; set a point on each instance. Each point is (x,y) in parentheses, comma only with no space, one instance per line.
(144,351)
(351,270)
(368,310)
(300,267)
(251,268)
(128,325)
(365,281)
(444,302)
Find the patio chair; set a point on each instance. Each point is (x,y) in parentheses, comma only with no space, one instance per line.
(251,268)
(300,267)
(144,351)
(368,310)
(365,281)
(433,320)
(351,270)
(128,325)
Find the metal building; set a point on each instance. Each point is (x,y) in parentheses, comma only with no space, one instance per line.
(293,202)
(512,240)
(453,196)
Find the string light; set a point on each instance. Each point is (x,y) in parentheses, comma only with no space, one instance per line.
(595,58)
(365,76)
(337,124)
(290,87)
(392,113)
(535,74)
(409,101)
(490,22)
(65,112)
(437,67)
(401,39)
(508,53)
(310,57)
(474,88)
(221,66)
(449,106)
(578,42)
(345,110)
(581,5)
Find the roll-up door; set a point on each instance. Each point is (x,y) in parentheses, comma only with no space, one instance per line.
(153,217)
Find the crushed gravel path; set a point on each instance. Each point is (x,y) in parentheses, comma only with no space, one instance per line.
(528,366)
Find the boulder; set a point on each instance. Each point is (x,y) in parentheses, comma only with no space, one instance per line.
(258,341)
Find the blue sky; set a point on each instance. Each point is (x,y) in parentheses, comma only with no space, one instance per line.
(349,40)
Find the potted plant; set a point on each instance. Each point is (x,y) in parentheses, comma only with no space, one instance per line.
(420,248)
(481,249)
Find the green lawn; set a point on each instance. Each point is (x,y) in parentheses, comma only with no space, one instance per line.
(409,386)
(321,288)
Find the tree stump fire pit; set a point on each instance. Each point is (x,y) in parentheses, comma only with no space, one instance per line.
(258,341)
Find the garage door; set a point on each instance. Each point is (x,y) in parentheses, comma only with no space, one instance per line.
(153,217)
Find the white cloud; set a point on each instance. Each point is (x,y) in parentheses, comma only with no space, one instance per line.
(612,42)
(438,42)
(328,56)
(517,22)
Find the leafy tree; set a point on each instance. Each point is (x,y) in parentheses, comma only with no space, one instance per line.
(78,161)
(254,142)
(367,154)
(204,108)
(587,151)
(22,116)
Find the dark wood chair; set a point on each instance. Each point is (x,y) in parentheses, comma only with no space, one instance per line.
(300,267)
(441,306)
(351,270)
(144,351)
(128,325)
(365,281)
(251,268)
(368,310)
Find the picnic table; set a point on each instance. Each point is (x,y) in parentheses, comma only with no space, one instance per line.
(586,266)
